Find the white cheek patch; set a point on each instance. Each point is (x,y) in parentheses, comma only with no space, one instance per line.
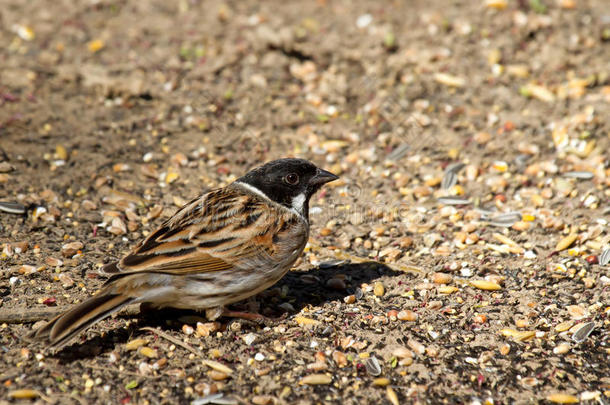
(298,202)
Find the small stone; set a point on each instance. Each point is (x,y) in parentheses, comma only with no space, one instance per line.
(561,348)
(204,329)
(339,358)
(504,349)
(263,400)
(407,315)
(89,205)
(336,284)
(70,249)
(350,299)
(416,346)
(592,259)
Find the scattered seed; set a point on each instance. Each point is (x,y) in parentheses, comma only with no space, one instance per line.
(70,249)
(453,201)
(583,332)
(449,180)
(416,346)
(23,394)
(449,80)
(217,366)
(579,175)
(485,285)
(12,207)
(566,242)
(407,315)
(316,379)
(217,375)
(378,289)
(372,366)
(441,278)
(392,397)
(604,258)
(148,352)
(135,344)
(303,321)
(562,399)
(381,382)
(518,335)
(339,358)
(448,289)
(564,326)
(561,348)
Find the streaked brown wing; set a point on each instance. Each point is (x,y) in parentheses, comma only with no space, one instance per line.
(218,231)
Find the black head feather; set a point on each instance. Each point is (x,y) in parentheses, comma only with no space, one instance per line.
(290,182)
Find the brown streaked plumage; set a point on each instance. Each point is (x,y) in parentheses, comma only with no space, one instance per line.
(220,248)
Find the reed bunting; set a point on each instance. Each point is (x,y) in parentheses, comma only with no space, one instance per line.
(220,248)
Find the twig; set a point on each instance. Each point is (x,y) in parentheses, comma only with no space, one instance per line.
(31,315)
(174,340)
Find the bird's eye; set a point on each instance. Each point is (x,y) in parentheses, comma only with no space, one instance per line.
(292,179)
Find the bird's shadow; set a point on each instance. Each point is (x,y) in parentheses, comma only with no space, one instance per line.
(299,289)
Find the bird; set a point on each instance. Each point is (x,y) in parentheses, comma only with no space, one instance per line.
(220,248)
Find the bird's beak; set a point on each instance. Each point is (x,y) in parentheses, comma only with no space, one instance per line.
(323,177)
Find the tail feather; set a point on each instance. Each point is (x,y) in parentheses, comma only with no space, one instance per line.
(61,329)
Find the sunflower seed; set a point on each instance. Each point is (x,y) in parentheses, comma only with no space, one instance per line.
(450,176)
(399,152)
(449,180)
(505,220)
(331,263)
(579,175)
(215,399)
(12,207)
(521,160)
(372,366)
(604,258)
(453,201)
(454,168)
(584,332)
(485,213)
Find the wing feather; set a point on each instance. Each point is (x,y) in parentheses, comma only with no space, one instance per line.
(199,240)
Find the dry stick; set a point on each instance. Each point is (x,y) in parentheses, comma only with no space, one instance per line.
(29,315)
(173,340)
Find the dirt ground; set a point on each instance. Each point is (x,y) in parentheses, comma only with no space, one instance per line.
(461,258)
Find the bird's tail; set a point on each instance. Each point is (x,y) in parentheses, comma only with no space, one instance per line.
(59,330)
